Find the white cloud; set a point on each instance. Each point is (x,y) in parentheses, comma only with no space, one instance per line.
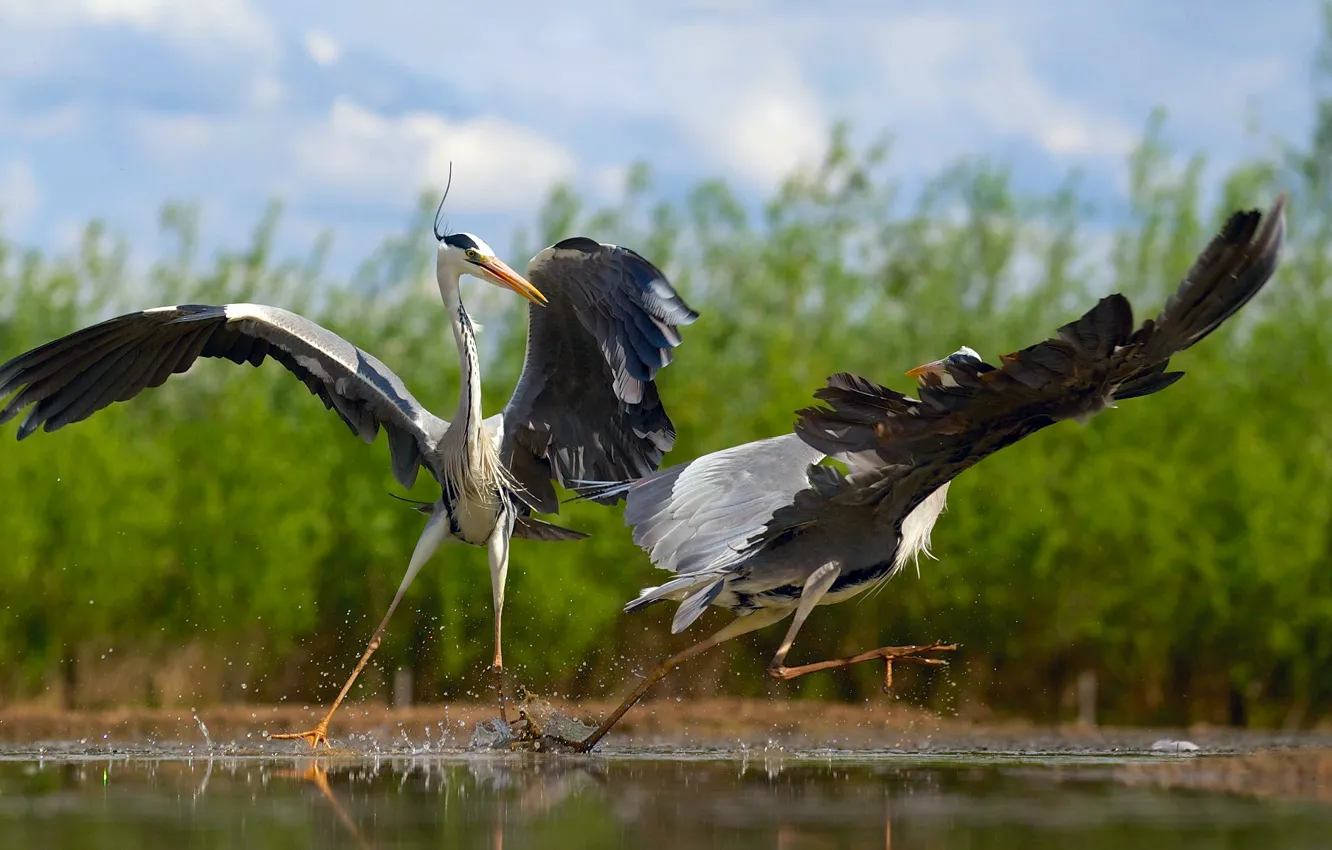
(939,68)
(322,47)
(740,95)
(744,89)
(176,138)
(770,133)
(498,166)
(718,88)
(754,93)
(20,196)
(202,24)
(609,181)
(37,125)
(265,91)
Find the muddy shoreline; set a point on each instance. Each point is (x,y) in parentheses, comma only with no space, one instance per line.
(791,724)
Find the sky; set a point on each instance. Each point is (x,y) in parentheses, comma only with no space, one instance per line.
(347,110)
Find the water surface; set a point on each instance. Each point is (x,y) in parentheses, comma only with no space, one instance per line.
(701,800)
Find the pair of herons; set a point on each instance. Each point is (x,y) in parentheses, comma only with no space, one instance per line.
(764,530)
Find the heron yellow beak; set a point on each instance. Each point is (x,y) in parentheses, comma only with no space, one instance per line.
(510,279)
(935,367)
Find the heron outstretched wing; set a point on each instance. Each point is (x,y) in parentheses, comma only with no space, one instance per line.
(697,516)
(696,519)
(71,378)
(586,406)
(906,448)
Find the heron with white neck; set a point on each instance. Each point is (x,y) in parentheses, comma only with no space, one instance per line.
(602,323)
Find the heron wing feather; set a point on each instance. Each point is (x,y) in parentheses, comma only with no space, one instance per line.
(696,518)
(921,444)
(69,379)
(586,407)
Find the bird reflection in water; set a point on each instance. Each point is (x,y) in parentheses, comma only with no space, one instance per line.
(316,772)
(528,789)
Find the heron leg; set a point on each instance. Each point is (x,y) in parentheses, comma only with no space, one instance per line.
(888,653)
(498,550)
(818,584)
(735,628)
(435,531)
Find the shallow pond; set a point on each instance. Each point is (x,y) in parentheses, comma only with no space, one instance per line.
(750,798)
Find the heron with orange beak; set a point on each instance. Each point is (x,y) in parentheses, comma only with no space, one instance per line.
(766,531)
(602,322)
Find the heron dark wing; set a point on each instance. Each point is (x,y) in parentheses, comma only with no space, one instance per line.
(71,378)
(904,449)
(1230,271)
(586,407)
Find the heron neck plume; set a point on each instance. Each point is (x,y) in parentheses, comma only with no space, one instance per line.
(472,462)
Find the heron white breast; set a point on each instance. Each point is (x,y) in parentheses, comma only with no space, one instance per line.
(475,519)
(918,525)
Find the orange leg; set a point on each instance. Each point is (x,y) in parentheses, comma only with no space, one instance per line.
(319,734)
(888,653)
(816,586)
(435,531)
(735,628)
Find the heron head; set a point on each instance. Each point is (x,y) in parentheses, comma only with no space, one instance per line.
(939,368)
(463,253)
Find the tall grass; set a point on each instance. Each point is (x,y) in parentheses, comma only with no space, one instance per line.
(1178,546)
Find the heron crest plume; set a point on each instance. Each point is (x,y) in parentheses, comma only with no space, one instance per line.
(441,233)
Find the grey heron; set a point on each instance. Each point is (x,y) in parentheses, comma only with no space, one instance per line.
(766,531)
(603,321)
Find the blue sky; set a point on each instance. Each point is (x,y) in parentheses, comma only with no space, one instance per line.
(346,110)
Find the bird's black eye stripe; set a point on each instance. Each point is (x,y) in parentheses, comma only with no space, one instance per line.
(460,240)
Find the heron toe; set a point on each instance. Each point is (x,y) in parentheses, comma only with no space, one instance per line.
(314,737)
(888,653)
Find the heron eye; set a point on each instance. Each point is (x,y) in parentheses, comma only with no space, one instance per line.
(471,253)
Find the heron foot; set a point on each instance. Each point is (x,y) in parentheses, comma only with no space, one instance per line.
(534,742)
(315,737)
(584,746)
(536,739)
(888,653)
(508,690)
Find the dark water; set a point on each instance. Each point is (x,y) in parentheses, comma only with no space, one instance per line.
(503,801)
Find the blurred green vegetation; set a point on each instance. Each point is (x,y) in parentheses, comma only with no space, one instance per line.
(1177,547)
